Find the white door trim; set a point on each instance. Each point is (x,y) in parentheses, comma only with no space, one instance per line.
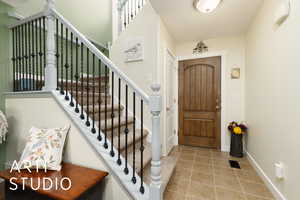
(224,147)
(166,52)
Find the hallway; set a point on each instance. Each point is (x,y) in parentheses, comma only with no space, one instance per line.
(205,174)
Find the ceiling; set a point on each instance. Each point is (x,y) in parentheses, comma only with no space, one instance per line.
(232,17)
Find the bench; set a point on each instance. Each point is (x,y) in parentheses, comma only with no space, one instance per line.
(84,183)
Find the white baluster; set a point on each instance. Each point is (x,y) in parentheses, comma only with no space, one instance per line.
(155,108)
(50,70)
(120,17)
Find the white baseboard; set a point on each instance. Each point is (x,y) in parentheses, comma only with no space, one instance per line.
(225,148)
(275,191)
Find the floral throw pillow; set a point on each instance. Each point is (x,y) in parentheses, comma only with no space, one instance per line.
(44,148)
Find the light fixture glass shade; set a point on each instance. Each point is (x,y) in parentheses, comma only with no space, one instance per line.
(207,6)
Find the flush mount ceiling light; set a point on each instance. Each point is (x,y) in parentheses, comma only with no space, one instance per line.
(206,6)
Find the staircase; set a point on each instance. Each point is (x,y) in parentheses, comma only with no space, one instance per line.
(50,54)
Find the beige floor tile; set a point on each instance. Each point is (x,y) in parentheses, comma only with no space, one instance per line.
(193,198)
(221,163)
(186,156)
(201,191)
(178,185)
(248,176)
(182,173)
(204,153)
(246,166)
(224,194)
(220,171)
(256,189)
(230,183)
(205,174)
(202,178)
(171,195)
(206,169)
(251,197)
(220,155)
(184,164)
(203,160)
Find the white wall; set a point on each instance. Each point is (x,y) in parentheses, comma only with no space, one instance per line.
(144,73)
(42,111)
(234,49)
(150,28)
(272,95)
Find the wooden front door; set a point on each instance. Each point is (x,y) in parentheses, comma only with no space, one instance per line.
(199,102)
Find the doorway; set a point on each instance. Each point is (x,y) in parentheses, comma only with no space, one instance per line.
(200,102)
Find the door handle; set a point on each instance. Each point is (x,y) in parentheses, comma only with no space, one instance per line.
(168,108)
(218,107)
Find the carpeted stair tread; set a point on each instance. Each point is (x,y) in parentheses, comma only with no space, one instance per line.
(115,124)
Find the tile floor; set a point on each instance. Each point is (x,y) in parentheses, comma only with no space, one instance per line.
(205,174)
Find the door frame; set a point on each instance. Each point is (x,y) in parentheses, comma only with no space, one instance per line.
(223,129)
(164,114)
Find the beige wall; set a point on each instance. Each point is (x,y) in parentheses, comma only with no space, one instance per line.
(43,111)
(149,27)
(166,43)
(144,27)
(234,50)
(92,18)
(272,95)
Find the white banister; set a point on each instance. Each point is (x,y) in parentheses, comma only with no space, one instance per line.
(155,105)
(93,49)
(50,70)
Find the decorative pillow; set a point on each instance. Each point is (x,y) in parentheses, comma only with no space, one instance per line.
(44,148)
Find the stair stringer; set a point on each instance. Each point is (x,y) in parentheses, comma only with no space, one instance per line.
(98,146)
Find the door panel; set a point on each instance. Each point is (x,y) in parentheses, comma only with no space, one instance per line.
(199,102)
(170,101)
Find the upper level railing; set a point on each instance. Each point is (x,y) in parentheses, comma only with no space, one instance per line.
(127,11)
(49,53)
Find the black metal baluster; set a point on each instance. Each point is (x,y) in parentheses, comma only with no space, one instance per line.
(124,10)
(142,189)
(131,12)
(119,122)
(99,101)
(29,57)
(77,77)
(128,13)
(105,108)
(94,85)
(81,66)
(14,59)
(134,121)
(61,59)
(112,153)
(23,59)
(67,66)
(37,55)
(126,171)
(44,46)
(26,56)
(139,5)
(41,53)
(87,123)
(57,56)
(72,103)
(33,56)
(17,59)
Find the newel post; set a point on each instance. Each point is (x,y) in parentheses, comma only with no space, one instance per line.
(155,109)
(50,70)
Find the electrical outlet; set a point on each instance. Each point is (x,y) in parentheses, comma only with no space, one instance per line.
(279,170)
